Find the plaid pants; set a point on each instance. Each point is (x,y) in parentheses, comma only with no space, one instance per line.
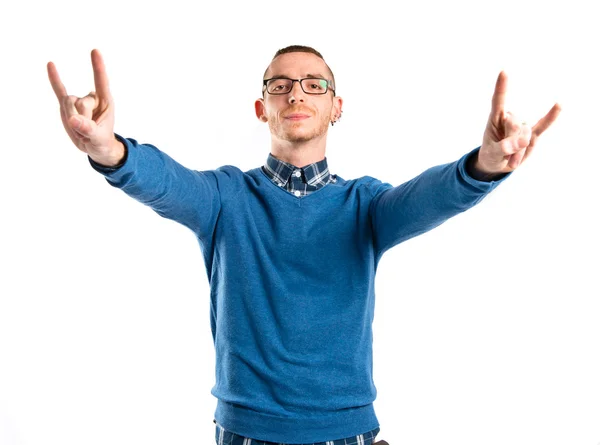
(224,437)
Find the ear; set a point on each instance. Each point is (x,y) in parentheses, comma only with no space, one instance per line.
(336,109)
(259,108)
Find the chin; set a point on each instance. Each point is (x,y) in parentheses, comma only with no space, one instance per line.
(299,137)
(298,133)
(303,135)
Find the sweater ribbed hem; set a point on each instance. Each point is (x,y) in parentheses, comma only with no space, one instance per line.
(298,429)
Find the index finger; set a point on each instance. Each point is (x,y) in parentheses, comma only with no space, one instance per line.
(57,85)
(100,76)
(499,94)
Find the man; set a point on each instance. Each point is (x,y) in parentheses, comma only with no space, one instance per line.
(291,250)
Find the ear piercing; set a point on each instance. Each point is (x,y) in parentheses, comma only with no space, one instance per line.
(337,118)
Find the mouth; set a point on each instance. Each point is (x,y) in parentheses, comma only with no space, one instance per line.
(297,116)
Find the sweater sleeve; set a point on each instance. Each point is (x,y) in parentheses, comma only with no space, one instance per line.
(148,175)
(424,202)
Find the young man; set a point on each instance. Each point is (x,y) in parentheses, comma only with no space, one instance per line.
(291,250)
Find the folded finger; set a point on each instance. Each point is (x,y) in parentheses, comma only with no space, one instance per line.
(516,159)
(512,144)
(85,106)
(77,125)
(512,125)
(68,104)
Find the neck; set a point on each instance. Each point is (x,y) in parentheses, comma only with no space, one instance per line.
(299,154)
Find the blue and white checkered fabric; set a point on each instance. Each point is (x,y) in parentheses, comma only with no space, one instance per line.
(224,437)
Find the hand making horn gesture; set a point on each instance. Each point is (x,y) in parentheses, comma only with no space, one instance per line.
(506,141)
(89,121)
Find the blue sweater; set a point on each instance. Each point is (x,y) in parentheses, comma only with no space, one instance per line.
(292,282)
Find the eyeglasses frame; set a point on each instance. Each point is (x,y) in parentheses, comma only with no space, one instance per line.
(330,85)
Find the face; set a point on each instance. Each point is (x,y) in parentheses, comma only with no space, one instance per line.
(296,116)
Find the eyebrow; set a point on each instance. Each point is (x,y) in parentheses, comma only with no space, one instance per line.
(316,76)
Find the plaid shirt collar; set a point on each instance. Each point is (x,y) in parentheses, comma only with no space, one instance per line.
(306,179)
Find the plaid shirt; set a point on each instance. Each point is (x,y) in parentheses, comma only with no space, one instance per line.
(224,437)
(298,181)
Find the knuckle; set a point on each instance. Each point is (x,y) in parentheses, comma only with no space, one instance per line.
(84,103)
(507,147)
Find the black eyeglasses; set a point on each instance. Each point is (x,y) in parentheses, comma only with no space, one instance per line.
(310,85)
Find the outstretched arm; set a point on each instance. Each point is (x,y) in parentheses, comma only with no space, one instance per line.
(142,171)
(439,193)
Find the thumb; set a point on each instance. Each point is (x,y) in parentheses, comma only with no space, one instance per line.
(83,126)
(512,144)
(524,136)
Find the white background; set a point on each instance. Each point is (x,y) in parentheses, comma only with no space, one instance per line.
(487,329)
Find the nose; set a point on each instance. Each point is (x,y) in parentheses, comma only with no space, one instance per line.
(296,94)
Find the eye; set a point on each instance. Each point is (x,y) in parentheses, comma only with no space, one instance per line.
(316,85)
(278,85)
